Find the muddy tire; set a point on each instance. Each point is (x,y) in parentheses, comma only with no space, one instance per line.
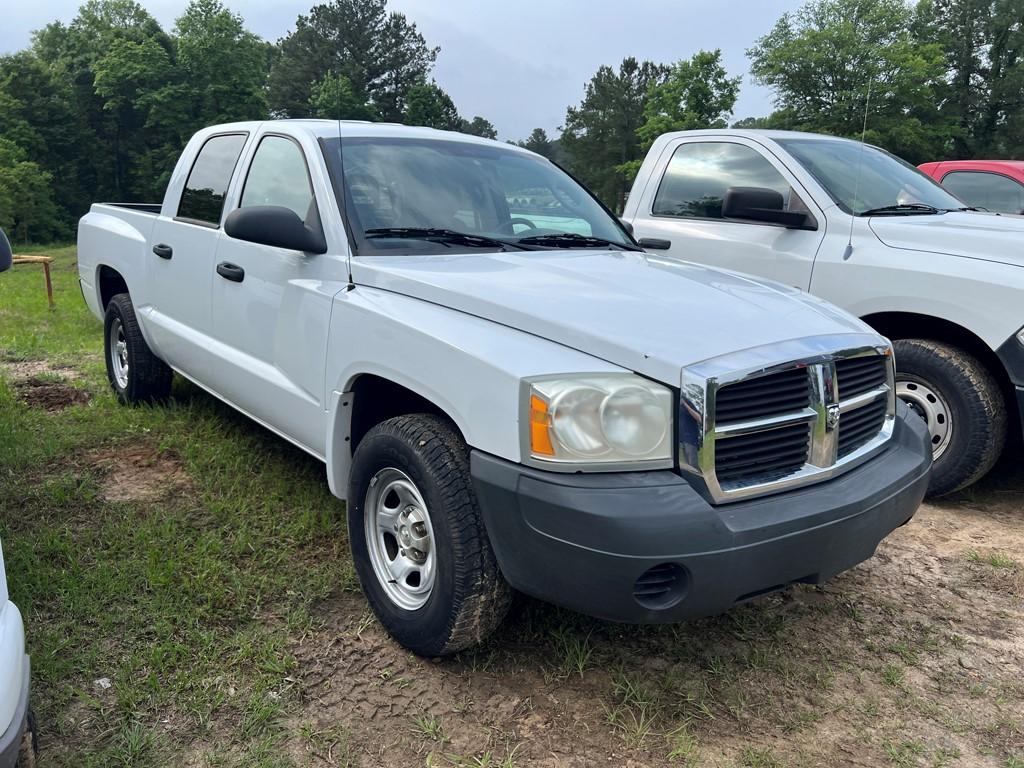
(418,539)
(29,748)
(135,373)
(962,403)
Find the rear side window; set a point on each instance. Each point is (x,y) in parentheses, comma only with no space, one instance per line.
(202,201)
(278,176)
(986,190)
(699,174)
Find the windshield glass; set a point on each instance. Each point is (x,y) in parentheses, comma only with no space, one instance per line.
(413,196)
(884,179)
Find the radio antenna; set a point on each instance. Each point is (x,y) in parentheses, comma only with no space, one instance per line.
(860,164)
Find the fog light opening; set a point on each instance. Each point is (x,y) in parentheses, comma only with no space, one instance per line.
(661,586)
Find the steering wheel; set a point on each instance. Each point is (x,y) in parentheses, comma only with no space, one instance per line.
(516,220)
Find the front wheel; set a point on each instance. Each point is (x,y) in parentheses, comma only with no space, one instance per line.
(136,375)
(961,402)
(418,540)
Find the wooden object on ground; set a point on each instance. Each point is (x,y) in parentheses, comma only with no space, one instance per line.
(46,261)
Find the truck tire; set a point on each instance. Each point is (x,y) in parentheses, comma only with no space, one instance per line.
(418,540)
(28,750)
(135,373)
(961,401)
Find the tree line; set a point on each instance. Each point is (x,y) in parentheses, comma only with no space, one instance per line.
(101,107)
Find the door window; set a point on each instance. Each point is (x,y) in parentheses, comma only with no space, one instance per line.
(278,176)
(991,191)
(699,174)
(202,200)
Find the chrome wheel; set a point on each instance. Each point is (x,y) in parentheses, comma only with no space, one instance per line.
(118,345)
(400,538)
(930,406)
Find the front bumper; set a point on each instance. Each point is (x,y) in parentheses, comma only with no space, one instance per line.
(584,540)
(10,740)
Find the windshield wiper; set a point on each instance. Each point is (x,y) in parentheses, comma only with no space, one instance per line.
(443,236)
(573,240)
(902,209)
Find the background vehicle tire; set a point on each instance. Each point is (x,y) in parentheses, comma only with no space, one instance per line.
(962,403)
(29,750)
(134,372)
(410,490)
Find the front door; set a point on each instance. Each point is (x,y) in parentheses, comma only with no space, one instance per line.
(271,307)
(682,203)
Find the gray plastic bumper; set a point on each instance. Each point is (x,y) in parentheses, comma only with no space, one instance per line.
(584,540)
(10,741)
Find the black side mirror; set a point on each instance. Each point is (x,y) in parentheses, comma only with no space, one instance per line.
(6,254)
(626,226)
(274,225)
(760,204)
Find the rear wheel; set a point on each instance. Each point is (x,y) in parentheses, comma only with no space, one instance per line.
(961,402)
(136,375)
(418,540)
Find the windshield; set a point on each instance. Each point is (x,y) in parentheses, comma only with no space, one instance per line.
(415,196)
(884,179)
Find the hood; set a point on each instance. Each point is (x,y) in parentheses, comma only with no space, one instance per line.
(647,314)
(972,234)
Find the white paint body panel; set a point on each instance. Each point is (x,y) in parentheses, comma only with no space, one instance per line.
(963,267)
(12,653)
(462,331)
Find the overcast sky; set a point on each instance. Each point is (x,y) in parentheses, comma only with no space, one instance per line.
(519,64)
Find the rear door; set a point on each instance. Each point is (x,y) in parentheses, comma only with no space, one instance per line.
(682,203)
(271,306)
(181,252)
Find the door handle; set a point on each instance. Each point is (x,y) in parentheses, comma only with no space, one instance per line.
(163,251)
(231,272)
(654,243)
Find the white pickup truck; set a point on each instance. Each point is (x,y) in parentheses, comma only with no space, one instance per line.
(17,731)
(508,392)
(857,226)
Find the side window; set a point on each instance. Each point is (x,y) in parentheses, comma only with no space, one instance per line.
(278,176)
(986,190)
(203,197)
(699,174)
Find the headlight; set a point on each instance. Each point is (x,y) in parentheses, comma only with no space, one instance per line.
(1020,335)
(601,419)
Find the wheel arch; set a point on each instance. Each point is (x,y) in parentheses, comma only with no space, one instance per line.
(906,325)
(367,400)
(109,283)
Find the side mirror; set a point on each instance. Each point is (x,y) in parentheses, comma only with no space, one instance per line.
(6,254)
(626,226)
(273,225)
(760,204)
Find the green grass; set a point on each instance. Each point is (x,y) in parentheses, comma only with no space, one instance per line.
(187,604)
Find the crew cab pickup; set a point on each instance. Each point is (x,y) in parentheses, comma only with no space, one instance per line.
(859,227)
(507,391)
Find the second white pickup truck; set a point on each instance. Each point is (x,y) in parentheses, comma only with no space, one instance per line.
(508,392)
(857,226)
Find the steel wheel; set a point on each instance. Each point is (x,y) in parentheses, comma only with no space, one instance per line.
(930,406)
(119,353)
(400,538)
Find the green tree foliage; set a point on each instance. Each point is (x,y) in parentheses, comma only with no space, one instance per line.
(479,126)
(27,209)
(333,97)
(697,93)
(822,59)
(382,55)
(539,142)
(428,105)
(599,135)
(983,42)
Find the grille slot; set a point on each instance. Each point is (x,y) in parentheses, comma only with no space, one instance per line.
(857,375)
(764,396)
(859,426)
(769,454)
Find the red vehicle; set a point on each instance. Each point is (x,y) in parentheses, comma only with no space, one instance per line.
(995,185)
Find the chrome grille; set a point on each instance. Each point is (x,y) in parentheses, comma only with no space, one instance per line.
(751,425)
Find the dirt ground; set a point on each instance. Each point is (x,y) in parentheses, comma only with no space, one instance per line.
(913,658)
